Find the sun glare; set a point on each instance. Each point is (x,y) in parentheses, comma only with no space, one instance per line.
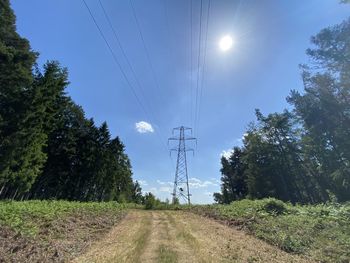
(226,43)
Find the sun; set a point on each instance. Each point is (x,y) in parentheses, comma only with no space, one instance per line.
(226,43)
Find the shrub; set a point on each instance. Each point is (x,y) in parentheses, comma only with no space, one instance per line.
(274,206)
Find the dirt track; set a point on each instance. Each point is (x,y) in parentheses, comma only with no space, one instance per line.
(175,236)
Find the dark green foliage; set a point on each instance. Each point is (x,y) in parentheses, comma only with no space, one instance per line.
(234,186)
(137,196)
(275,206)
(302,156)
(324,109)
(84,163)
(48,148)
(150,201)
(21,134)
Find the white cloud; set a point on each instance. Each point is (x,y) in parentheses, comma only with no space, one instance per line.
(165,189)
(195,183)
(215,180)
(226,153)
(238,142)
(164,183)
(201,189)
(143,127)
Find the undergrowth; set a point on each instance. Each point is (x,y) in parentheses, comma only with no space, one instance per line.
(321,232)
(28,216)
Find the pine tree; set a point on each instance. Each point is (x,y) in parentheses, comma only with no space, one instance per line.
(22,137)
(324,108)
(233,179)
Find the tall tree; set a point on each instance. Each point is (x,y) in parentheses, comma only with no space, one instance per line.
(233,178)
(324,108)
(48,149)
(22,137)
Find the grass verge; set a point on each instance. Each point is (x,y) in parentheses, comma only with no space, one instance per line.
(321,232)
(53,231)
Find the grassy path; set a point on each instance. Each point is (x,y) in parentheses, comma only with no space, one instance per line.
(176,236)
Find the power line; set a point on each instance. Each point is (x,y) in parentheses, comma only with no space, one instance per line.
(115,58)
(126,58)
(198,64)
(120,46)
(118,64)
(204,62)
(191,61)
(145,47)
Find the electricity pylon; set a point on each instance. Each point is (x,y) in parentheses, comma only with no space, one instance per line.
(181,187)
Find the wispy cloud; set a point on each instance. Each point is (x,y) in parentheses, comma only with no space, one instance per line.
(164,183)
(197,183)
(143,127)
(143,182)
(201,189)
(193,183)
(166,189)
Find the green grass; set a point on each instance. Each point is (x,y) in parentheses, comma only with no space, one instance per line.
(166,255)
(321,232)
(142,239)
(28,217)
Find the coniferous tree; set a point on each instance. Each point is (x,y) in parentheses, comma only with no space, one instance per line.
(324,108)
(233,178)
(48,149)
(22,136)
(137,196)
(304,155)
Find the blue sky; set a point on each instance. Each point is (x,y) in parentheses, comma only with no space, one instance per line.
(270,39)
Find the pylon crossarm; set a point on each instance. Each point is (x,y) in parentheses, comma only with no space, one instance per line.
(173,139)
(181,185)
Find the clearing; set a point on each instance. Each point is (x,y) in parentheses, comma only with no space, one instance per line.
(178,236)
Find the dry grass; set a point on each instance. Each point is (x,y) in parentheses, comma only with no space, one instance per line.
(124,243)
(58,241)
(218,243)
(177,236)
(166,255)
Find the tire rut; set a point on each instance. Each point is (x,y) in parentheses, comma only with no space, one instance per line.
(159,236)
(123,243)
(177,236)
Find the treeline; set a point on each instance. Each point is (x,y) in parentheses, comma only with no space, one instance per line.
(302,155)
(48,148)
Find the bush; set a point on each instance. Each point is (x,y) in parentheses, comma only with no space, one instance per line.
(274,206)
(150,201)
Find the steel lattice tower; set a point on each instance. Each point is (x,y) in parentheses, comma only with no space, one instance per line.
(181,187)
